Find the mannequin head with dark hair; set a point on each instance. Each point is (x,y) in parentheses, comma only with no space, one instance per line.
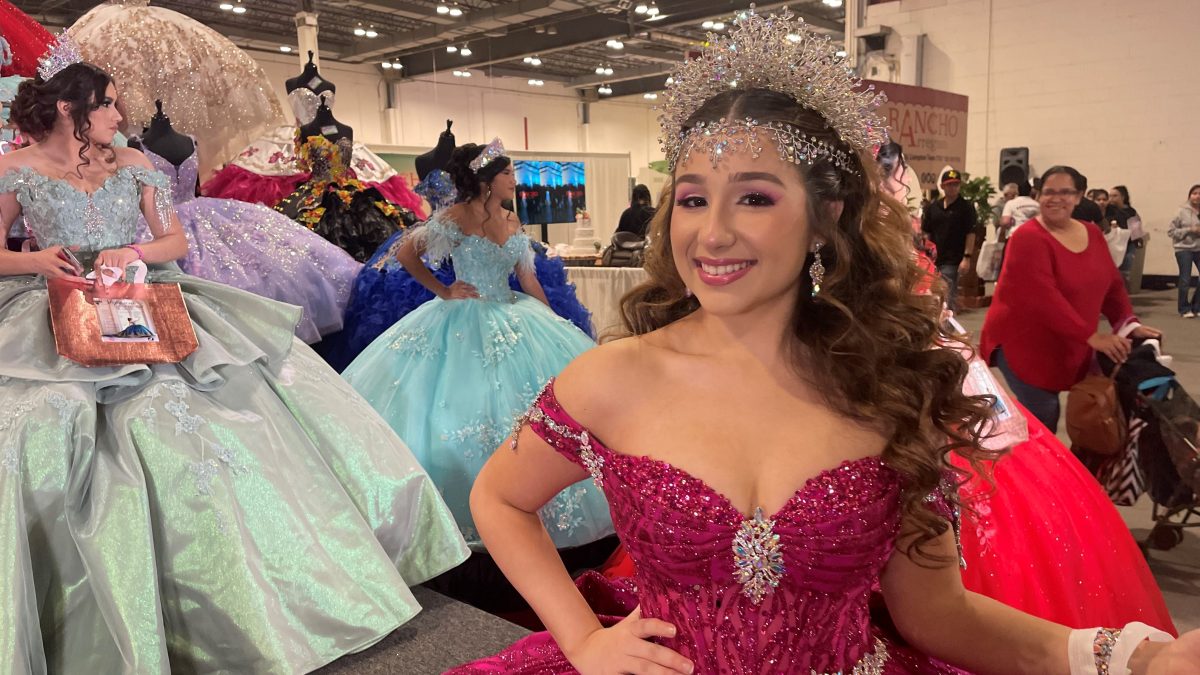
(79,101)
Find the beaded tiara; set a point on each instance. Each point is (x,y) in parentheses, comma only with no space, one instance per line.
(63,52)
(780,53)
(490,152)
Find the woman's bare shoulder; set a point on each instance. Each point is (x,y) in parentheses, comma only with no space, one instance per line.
(602,382)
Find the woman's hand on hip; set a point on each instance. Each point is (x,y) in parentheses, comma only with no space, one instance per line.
(626,648)
(460,290)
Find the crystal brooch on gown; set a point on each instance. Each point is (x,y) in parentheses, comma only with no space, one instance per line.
(757,557)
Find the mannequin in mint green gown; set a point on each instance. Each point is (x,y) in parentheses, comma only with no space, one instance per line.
(243,511)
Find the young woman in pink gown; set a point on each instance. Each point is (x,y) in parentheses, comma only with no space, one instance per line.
(773,438)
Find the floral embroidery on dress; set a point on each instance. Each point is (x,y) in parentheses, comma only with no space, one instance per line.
(10,458)
(416,342)
(501,341)
(561,513)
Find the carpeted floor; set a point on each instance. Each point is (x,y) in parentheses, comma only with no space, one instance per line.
(445,634)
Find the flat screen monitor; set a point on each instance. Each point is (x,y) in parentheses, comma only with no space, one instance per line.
(548,192)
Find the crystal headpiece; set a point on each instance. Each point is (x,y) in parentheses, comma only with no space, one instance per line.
(490,152)
(780,53)
(62,53)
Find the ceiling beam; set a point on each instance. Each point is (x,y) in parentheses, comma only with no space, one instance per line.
(622,75)
(653,54)
(407,10)
(521,73)
(477,20)
(643,85)
(572,33)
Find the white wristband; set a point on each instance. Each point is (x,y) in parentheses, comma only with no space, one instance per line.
(1128,328)
(1131,636)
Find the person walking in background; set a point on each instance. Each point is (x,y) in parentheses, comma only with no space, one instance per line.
(1120,210)
(950,224)
(1017,210)
(1100,197)
(637,217)
(1057,282)
(1185,235)
(1087,211)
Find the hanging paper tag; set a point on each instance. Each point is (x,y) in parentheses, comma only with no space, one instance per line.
(329,130)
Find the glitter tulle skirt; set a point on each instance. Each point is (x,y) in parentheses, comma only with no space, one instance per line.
(451,378)
(257,249)
(1047,540)
(241,511)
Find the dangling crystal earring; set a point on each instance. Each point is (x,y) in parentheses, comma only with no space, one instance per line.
(816,271)
(687,292)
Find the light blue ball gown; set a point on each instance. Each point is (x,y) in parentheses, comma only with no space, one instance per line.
(453,375)
(242,511)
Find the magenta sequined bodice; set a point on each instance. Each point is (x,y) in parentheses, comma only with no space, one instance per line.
(787,592)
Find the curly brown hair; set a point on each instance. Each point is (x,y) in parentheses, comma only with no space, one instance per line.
(867,340)
(83,86)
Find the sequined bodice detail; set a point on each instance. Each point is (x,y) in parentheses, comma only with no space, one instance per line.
(479,261)
(182,177)
(767,593)
(325,159)
(58,213)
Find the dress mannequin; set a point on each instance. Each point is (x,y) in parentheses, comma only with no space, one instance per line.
(309,78)
(324,124)
(164,141)
(439,156)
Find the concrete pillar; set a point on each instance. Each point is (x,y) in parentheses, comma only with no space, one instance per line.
(306,37)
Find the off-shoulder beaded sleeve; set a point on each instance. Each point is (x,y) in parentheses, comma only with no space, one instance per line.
(550,422)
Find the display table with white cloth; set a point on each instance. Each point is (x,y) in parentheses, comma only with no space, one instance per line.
(600,289)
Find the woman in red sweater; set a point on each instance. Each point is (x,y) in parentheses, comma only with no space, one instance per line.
(1058,278)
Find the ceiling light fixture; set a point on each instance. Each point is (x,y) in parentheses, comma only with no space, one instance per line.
(465,50)
(841,53)
(652,10)
(386,65)
(371,32)
(650,96)
(462,73)
(604,90)
(832,3)
(615,44)
(285,49)
(536,83)
(670,81)
(455,12)
(450,49)
(226,6)
(718,25)
(552,30)
(359,30)
(534,60)
(443,8)
(238,9)
(641,8)
(707,25)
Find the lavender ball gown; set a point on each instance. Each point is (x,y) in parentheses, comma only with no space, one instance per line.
(260,250)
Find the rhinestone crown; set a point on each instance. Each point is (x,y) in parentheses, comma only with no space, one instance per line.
(780,53)
(62,53)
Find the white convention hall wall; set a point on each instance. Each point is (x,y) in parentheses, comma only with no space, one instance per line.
(1107,86)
